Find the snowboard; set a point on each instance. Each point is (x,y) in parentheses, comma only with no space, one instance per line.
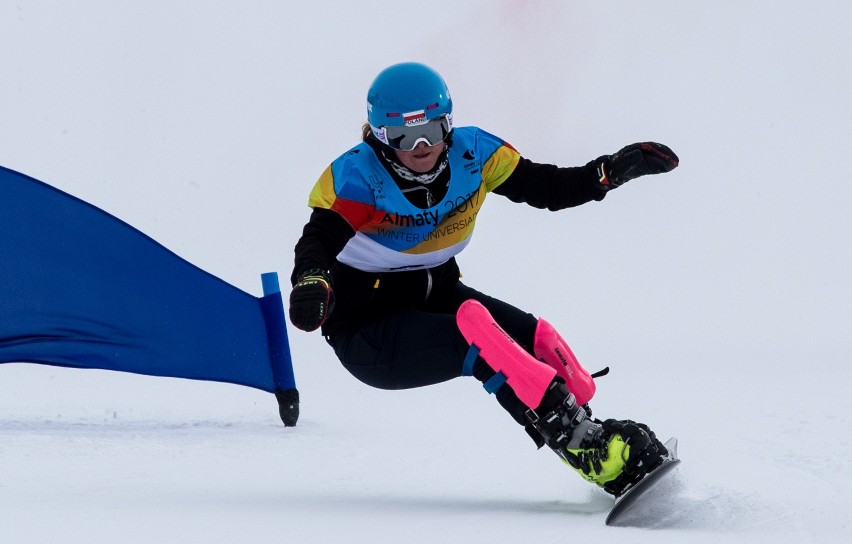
(626,501)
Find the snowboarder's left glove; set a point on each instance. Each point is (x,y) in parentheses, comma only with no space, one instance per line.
(311,300)
(633,161)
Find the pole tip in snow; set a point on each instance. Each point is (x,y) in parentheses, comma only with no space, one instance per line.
(288,406)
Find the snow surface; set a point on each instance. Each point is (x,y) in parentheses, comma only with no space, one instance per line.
(719,294)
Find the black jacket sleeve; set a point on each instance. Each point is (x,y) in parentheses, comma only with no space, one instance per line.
(552,187)
(322,239)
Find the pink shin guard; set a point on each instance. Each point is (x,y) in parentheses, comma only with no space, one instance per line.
(551,348)
(528,377)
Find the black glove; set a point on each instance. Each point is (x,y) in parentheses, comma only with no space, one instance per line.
(633,161)
(311,300)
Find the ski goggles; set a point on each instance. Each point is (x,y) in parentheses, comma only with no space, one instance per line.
(406,137)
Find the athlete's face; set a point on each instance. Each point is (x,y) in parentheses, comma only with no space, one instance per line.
(422,158)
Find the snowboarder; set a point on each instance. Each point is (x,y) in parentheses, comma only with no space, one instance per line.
(375,268)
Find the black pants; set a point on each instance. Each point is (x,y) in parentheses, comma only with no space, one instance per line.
(419,347)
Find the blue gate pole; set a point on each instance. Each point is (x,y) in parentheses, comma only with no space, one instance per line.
(279,350)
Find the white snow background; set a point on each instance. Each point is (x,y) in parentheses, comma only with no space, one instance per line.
(718,294)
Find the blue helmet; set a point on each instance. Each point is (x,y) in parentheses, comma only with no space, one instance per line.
(407,94)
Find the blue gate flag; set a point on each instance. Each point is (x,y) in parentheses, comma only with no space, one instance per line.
(80,288)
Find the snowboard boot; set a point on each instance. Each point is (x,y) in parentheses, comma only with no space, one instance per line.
(612,454)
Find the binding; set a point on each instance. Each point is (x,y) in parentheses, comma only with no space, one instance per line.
(564,425)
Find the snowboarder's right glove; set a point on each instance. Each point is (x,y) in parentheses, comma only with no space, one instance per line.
(311,300)
(633,161)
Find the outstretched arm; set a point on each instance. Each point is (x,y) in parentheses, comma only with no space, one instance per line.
(555,188)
